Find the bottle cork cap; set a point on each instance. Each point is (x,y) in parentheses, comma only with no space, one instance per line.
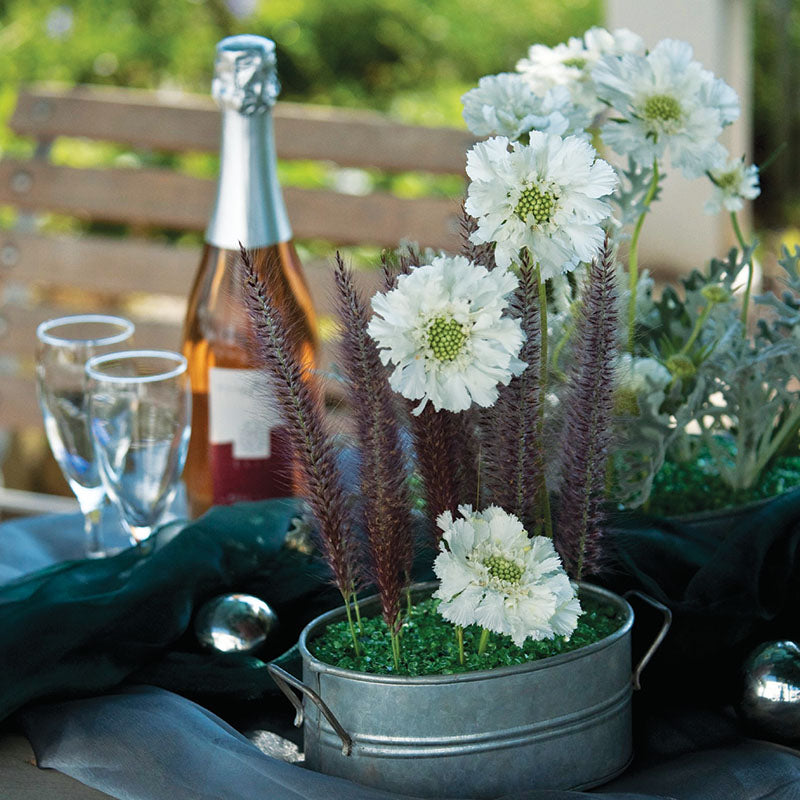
(245,74)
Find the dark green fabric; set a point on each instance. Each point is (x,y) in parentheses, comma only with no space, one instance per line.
(732,580)
(82,627)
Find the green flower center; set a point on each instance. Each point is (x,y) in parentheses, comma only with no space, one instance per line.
(575,61)
(446,338)
(681,366)
(662,108)
(716,294)
(728,181)
(533,202)
(503,569)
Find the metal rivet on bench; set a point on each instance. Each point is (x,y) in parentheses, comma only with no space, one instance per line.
(42,109)
(9,254)
(21,182)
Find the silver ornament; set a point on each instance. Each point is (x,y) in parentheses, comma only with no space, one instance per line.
(234,623)
(770,699)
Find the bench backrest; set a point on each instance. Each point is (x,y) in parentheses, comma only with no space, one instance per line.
(65,250)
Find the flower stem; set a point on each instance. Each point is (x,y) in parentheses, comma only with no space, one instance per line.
(408,596)
(544,496)
(483,642)
(356,646)
(358,614)
(569,329)
(746,299)
(633,256)
(460,640)
(396,650)
(698,326)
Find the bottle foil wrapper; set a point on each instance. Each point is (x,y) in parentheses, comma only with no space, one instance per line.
(245,74)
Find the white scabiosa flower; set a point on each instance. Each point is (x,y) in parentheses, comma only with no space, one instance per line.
(546,196)
(494,575)
(599,42)
(733,184)
(546,67)
(444,330)
(570,64)
(667,104)
(506,105)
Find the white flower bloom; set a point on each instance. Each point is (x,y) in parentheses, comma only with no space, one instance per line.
(668,103)
(443,328)
(599,42)
(642,380)
(494,575)
(505,104)
(733,184)
(570,65)
(546,67)
(545,196)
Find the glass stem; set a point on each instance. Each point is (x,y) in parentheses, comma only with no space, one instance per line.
(94,533)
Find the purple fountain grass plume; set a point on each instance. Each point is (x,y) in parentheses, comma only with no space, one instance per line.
(384,466)
(302,410)
(483,253)
(512,451)
(586,436)
(393,265)
(441,439)
(466,449)
(437,463)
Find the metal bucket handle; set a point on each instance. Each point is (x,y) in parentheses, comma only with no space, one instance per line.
(665,625)
(287,682)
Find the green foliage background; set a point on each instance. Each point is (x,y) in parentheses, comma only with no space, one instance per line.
(412,58)
(376,53)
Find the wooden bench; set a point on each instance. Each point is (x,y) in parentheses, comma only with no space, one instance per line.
(112,235)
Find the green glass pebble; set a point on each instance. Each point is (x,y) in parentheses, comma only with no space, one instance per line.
(428,643)
(689,487)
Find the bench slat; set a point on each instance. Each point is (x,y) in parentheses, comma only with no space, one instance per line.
(183,122)
(97,263)
(160,198)
(20,335)
(120,266)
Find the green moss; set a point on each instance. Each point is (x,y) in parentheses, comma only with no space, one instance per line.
(428,643)
(692,486)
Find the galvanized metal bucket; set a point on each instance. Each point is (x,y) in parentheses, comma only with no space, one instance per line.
(559,723)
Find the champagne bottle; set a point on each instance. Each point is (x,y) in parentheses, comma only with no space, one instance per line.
(238,450)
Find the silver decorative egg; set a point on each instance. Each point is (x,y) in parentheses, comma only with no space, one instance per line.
(770,699)
(234,623)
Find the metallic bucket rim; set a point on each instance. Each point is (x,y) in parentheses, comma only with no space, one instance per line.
(322,620)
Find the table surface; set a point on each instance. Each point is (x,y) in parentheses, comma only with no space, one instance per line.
(21,779)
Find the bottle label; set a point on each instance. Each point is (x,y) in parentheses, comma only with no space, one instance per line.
(249,450)
(240,411)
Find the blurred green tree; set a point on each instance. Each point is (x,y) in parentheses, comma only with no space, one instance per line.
(347,52)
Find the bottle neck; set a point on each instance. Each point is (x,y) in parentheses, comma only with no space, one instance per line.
(249,205)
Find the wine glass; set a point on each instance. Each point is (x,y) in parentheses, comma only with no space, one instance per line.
(63,347)
(139,411)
